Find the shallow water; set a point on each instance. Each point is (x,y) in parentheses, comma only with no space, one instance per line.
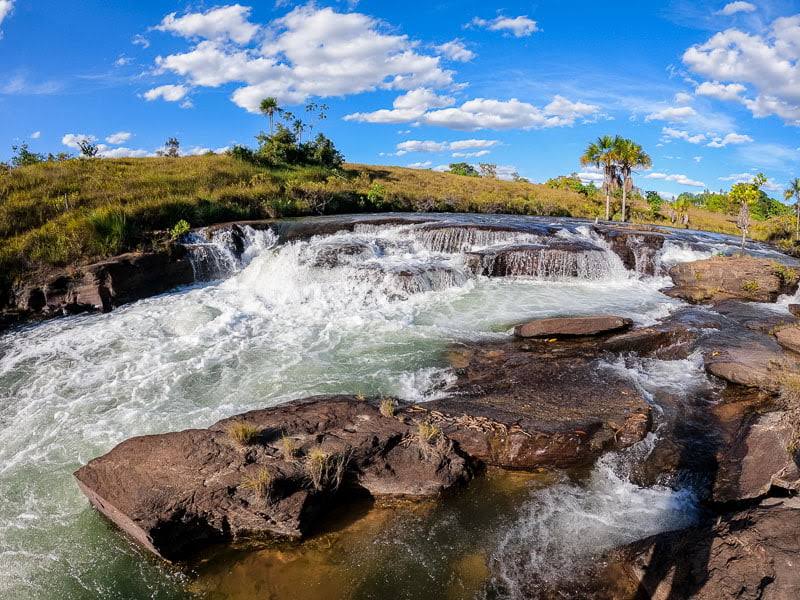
(281,328)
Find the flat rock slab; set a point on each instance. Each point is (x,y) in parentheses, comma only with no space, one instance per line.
(748,554)
(572,326)
(175,492)
(757,460)
(789,337)
(750,362)
(724,278)
(557,412)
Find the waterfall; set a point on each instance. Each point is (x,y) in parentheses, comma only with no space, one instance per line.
(219,253)
(460,239)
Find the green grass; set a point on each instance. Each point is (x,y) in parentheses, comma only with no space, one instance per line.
(58,214)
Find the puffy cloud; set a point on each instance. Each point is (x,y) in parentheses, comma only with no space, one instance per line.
(588,177)
(485,113)
(456,146)
(5,9)
(470,154)
(679,179)
(420,165)
(73,140)
(140,40)
(678,134)
(730,139)
(123,152)
(36,135)
(311,52)
(720,91)
(409,107)
(734,178)
(768,62)
(737,7)
(222,23)
(118,138)
(519,27)
(683,98)
(170,93)
(455,50)
(672,114)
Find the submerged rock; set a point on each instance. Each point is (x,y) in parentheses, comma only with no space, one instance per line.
(749,554)
(572,326)
(723,278)
(177,491)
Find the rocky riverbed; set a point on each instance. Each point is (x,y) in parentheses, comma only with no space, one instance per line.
(365,382)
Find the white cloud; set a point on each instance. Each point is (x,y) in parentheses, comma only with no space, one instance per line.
(697,159)
(312,52)
(683,98)
(222,23)
(485,113)
(769,62)
(5,10)
(122,61)
(409,107)
(140,40)
(420,165)
(118,138)
(170,93)
(679,179)
(455,50)
(36,135)
(770,185)
(470,154)
(672,114)
(519,27)
(683,135)
(432,146)
(72,140)
(590,177)
(720,91)
(122,152)
(730,139)
(737,7)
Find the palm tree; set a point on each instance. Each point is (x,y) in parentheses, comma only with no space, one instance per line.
(601,155)
(629,156)
(269,106)
(793,191)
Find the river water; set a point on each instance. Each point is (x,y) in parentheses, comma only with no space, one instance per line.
(286,321)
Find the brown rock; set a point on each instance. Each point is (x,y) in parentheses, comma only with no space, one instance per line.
(556,259)
(724,278)
(638,249)
(794,309)
(572,326)
(175,492)
(757,460)
(789,337)
(748,362)
(748,554)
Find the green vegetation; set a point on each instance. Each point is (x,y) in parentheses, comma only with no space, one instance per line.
(464,169)
(180,228)
(387,407)
(750,287)
(244,434)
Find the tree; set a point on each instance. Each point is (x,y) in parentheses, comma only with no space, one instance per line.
(269,106)
(629,156)
(172,148)
(654,200)
(463,168)
(746,194)
(88,148)
(488,170)
(601,155)
(23,156)
(322,152)
(793,191)
(743,221)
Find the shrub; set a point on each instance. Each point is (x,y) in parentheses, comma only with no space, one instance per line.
(180,229)
(427,432)
(261,483)
(244,433)
(750,287)
(387,407)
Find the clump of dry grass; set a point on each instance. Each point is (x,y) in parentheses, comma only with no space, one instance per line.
(387,407)
(431,441)
(243,433)
(288,448)
(325,470)
(261,483)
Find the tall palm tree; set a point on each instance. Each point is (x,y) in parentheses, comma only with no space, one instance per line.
(601,154)
(629,156)
(269,106)
(793,191)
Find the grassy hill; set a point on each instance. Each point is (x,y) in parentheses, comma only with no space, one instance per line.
(55,214)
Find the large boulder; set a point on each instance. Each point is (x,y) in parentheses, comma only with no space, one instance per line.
(789,337)
(747,361)
(108,284)
(748,554)
(264,473)
(553,412)
(724,278)
(572,326)
(638,249)
(757,460)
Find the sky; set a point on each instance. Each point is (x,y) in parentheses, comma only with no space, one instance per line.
(710,89)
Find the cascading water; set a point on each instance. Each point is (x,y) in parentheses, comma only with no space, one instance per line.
(369,311)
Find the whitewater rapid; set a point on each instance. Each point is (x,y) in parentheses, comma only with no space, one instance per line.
(275,327)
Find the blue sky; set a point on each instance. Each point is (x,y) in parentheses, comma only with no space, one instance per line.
(710,89)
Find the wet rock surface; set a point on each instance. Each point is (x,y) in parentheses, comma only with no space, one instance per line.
(638,249)
(553,260)
(725,278)
(572,326)
(176,492)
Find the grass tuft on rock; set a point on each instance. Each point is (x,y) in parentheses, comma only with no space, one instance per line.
(261,483)
(387,407)
(243,433)
(325,470)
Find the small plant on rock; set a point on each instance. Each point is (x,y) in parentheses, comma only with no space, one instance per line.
(288,448)
(244,434)
(325,470)
(750,287)
(261,483)
(180,228)
(387,407)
